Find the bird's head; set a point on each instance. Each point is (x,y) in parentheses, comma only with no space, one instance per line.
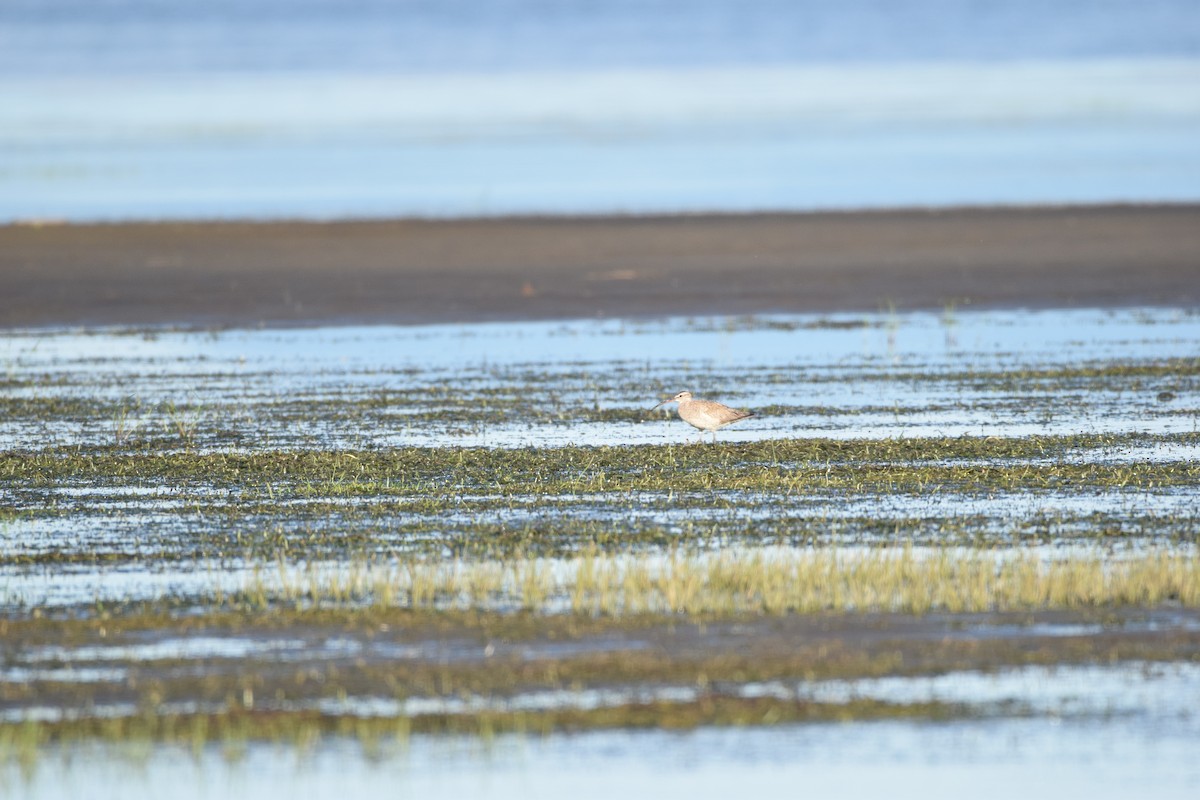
(679,398)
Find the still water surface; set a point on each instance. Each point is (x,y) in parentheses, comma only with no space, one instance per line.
(1152,755)
(318,109)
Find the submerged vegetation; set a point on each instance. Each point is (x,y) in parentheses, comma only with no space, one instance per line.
(580,468)
(235,729)
(209,548)
(172,506)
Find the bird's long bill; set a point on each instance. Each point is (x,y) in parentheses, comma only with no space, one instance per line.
(663,403)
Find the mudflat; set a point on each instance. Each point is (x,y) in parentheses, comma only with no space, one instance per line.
(244,273)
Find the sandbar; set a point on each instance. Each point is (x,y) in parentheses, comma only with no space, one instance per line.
(413,271)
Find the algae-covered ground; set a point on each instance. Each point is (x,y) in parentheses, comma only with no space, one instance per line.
(374,534)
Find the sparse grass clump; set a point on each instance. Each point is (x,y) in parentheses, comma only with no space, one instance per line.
(741,582)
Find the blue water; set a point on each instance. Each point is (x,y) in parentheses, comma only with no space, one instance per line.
(118,109)
(1149,753)
(135,36)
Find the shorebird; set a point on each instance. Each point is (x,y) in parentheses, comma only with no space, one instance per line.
(707,415)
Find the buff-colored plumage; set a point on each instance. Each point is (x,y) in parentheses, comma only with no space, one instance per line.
(707,415)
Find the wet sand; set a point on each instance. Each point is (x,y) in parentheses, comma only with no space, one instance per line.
(420,271)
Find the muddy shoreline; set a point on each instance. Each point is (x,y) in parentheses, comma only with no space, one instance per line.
(424,271)
(295,660)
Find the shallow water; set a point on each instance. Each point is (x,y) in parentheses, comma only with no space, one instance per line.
(510,385)
(77,546)
(1145,692)
(1036,758)
(1000,373)
(1104,732)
